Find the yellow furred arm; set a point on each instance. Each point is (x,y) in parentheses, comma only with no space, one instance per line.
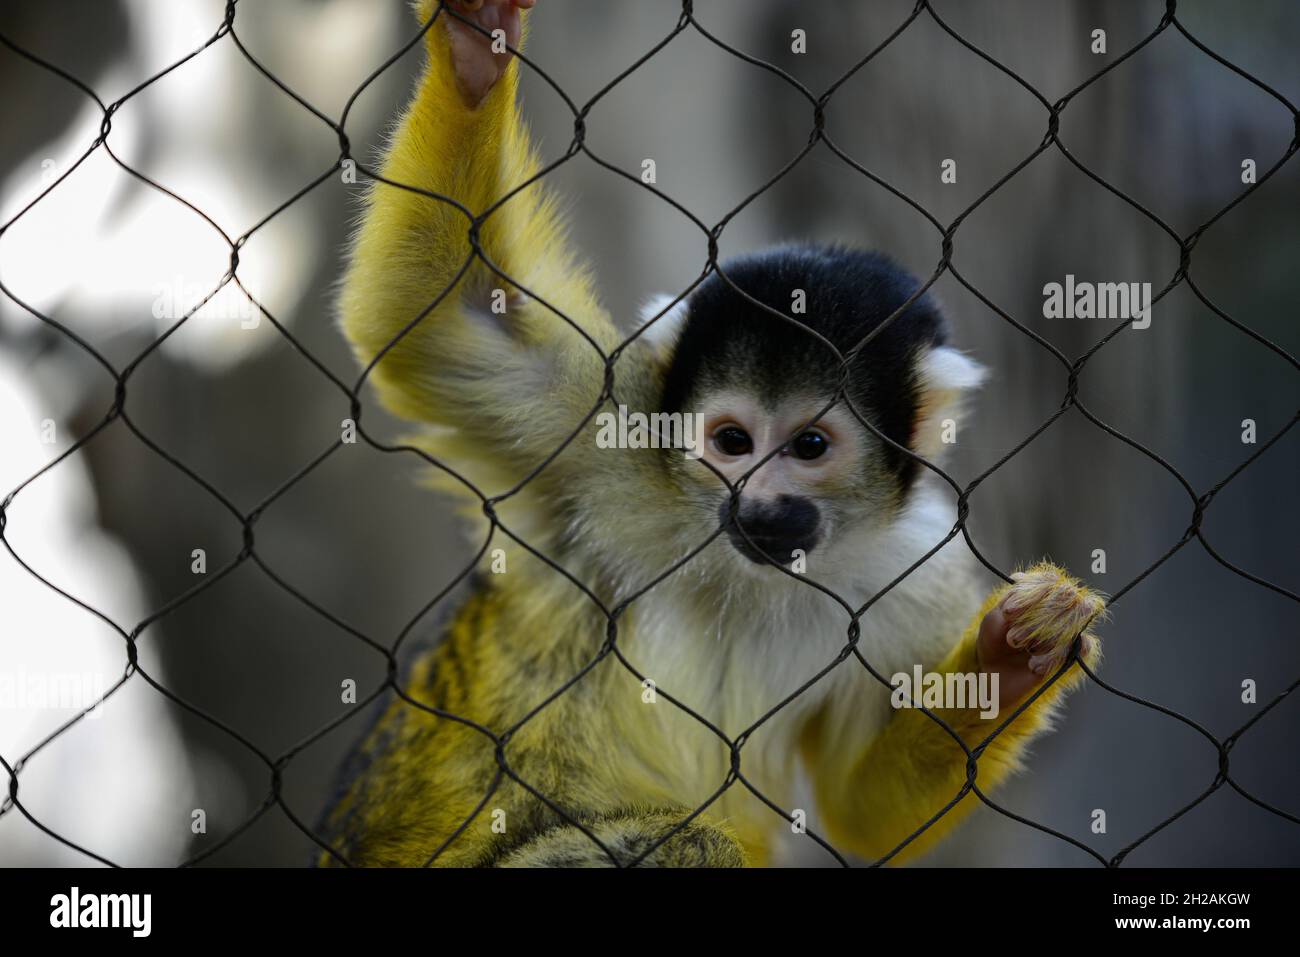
(468,363)
(873,800)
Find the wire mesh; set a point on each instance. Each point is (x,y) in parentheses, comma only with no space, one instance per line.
(851,655)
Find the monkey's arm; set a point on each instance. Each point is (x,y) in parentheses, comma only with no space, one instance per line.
(508,384)
(873,800)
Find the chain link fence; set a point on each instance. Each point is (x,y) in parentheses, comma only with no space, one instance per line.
(820,140)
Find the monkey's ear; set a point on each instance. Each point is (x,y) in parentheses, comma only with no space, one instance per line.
(945,379)
(662,334)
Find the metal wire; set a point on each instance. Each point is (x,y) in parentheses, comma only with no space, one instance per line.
(818,139)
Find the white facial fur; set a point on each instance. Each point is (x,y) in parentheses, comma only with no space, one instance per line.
(770,429)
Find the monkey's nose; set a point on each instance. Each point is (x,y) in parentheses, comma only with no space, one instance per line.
(774,530)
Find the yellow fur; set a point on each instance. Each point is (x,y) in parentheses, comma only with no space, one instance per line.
(628,772)
(915,768)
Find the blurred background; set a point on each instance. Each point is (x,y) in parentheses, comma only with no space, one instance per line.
(116,262)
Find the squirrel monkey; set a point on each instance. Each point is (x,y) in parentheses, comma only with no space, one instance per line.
(728,634)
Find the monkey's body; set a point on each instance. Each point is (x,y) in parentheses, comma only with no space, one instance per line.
(601,748)
(728,639)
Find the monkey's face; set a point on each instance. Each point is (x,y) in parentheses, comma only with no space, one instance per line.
(760,372)
(814,480)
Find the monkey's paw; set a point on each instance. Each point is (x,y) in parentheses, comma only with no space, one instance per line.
(1028,634)
(476,62)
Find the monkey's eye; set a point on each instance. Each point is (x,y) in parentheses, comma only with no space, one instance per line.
(810,445)
(733,441)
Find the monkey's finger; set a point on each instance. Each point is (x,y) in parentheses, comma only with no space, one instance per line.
(992,642)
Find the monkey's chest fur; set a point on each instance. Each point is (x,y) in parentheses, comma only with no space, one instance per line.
(589,728)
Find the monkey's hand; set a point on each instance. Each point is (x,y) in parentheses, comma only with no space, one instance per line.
(476,65)
(1029,632)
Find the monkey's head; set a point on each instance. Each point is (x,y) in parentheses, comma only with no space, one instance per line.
(758,380)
